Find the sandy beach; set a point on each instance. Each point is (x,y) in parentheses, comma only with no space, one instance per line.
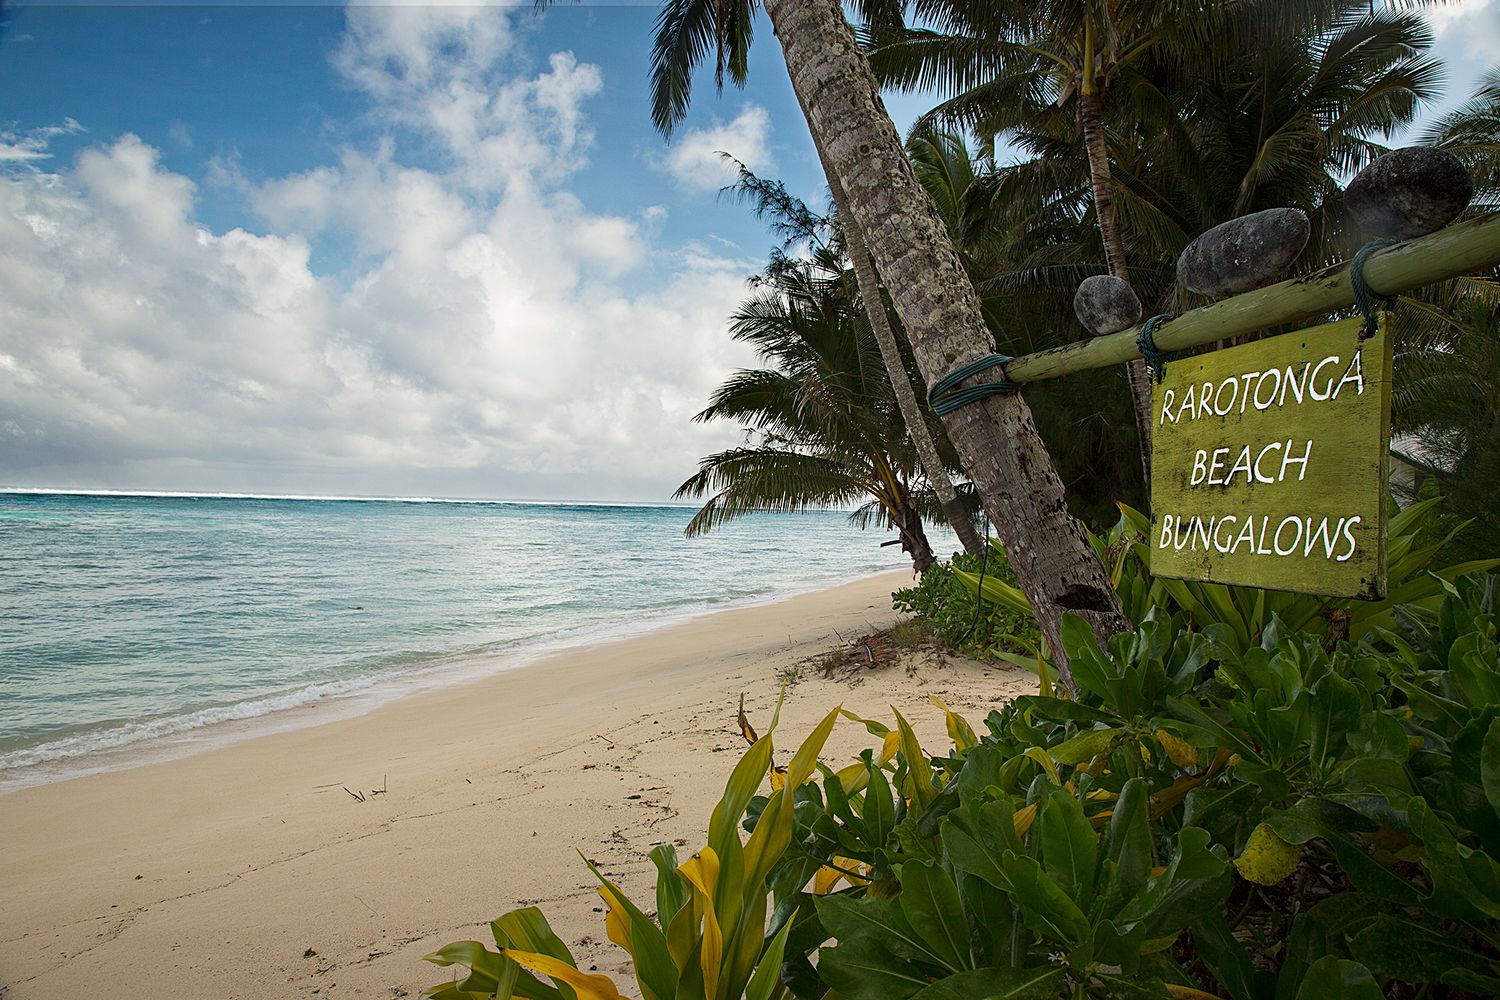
(250,872)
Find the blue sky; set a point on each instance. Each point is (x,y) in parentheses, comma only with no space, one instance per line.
(382,250)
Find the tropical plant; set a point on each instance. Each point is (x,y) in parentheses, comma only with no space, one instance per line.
(1084,419)
(1279,822)
(996,437)
(952,613)
(1012,68)
(823,428)
(1244,613)
(826,240)
(705,941)
(1447,389)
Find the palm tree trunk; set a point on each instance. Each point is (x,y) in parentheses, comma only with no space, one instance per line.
(1091,122)
(913,539)
(895,366)
(996,438)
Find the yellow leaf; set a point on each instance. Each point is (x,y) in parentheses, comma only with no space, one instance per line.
(1179,751)
(854,778)
(1267,859)
(839,868)
(1044,758)
(702,873)
(888,746)
(778,778)
(588,987)
(959,731)
(918,787)
(1083,746)
(1024,818)
(773,831)
(746,730)
(1157,945)
(616,924)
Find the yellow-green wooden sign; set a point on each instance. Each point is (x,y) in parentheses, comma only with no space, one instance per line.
(1270,463)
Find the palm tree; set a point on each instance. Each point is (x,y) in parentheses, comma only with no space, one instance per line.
(1447,392)
(823,428)
(1007,66)
(1307,104)
(799,225)
(996,438)
(1026,272)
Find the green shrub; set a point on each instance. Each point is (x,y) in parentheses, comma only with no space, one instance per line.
(946,605)
(1412,550)
(1287,820)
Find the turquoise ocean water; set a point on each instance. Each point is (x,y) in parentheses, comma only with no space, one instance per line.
(154,624)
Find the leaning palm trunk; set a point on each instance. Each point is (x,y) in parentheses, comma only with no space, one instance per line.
(895,366)
(1091,122)
(996,438)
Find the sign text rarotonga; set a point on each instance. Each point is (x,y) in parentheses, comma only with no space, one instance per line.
(1270,463)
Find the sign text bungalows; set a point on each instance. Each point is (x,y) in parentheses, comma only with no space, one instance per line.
(1271,463)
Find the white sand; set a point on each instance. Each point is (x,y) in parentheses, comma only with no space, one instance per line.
(212,876)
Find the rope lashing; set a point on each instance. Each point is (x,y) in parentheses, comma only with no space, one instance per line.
(945,395)
(1145,342)
(1362,289)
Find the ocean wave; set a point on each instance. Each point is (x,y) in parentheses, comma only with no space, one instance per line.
(130,734)
(333,498)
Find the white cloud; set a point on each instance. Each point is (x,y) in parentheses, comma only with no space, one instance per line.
(1471,27)
(30,146)
(485,332)
(695,160)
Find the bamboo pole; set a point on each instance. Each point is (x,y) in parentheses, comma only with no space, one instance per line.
(1458,250)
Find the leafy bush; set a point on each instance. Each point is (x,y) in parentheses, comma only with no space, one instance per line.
(1246,611)
(946,605)
(1280,821)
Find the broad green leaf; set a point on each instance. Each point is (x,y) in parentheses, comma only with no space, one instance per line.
(918,787)
(767,976)
(976,836)
(490,973)
(1396,948)
(645,941)
(1128,841)
(862,970)
(773,832)
(671,890)
(878,921)
(878,809)
(1070,848)
(929,902)
(998,984)
(1332,978)
(743,783)
(1083,747)
(1225,957)
(527,930)
(1489,766)
(1044,905)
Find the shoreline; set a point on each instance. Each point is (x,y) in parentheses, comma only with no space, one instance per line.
(175,737)
(252,870)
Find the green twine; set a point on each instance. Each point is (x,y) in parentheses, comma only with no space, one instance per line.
(1362,289)
(984,564)
(1145,342)
(945,395)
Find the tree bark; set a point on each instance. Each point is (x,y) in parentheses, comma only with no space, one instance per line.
(1091,123)
(895,366)
(914,542)
(996,438)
